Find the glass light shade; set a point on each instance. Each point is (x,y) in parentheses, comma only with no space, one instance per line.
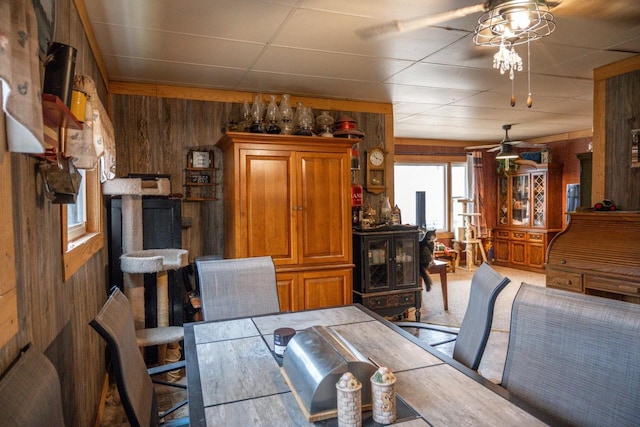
(507,152)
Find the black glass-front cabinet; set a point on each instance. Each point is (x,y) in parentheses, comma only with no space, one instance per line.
(385,277)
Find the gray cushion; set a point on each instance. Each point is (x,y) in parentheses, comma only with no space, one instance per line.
(237,287)
(577,357)
(30,393)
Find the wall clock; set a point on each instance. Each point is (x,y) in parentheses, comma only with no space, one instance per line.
(376,171)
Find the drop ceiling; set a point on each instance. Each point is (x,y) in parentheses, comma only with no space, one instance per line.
(441,86)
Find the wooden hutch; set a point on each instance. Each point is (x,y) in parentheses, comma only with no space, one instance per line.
(529,214)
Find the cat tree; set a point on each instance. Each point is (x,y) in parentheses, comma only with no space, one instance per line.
(471,235)
(135,262)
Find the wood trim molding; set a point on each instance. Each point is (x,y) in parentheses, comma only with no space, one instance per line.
(439,142)
(8,291)
(586,133)
(93,240)
(617,68)
(204,94)
(418,158)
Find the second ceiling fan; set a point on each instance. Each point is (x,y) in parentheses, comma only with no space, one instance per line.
(506,145)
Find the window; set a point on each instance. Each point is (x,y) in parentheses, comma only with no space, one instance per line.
(82,225)
(442,183)
(77,213)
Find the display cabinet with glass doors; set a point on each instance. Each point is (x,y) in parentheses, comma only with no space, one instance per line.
(386,277)
(529,214)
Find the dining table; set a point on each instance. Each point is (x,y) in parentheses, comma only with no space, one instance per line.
(234,378)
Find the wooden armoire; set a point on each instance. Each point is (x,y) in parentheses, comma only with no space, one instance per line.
(289,197)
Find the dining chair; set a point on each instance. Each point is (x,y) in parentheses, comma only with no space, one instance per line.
(471,338)
(237,287)
(115,325)
(30,393)
(575,356)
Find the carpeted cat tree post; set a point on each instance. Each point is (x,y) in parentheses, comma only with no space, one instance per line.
(135,262)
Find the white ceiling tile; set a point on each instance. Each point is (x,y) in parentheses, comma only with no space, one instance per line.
(501,100)
(386,10)
(300,85)
(408,108)
(444,76)
(172,72)
(464,53)
(583,67)
(325,64)
(592,32)
(429,95)
(543,85)
(214,18)
(332,32)
(153,44)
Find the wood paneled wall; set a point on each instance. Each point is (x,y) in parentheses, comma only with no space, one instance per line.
(616,110)
(622,182)
(53,315)
(155,133)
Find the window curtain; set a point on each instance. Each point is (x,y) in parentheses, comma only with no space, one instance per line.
(478,193)
(95,143)
(20,76)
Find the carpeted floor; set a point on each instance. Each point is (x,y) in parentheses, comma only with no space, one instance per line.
(458,290)
(458,285)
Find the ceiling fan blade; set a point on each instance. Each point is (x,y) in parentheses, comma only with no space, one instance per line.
(525,144)
(482,147)
(388,28)
(619,10)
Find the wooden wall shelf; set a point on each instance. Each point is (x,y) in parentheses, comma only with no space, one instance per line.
(56,115)
(200,184)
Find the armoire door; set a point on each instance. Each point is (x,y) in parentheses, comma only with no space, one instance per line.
(268,212)
(323,205)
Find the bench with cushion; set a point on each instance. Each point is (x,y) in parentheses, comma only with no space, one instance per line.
(575,357)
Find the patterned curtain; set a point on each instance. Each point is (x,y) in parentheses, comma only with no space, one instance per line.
(20,76)
(96,140)
(478,193)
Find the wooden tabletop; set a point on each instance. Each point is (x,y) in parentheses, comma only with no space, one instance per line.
(232,373)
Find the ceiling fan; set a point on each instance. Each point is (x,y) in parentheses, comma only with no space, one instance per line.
(611,9)
(506,141)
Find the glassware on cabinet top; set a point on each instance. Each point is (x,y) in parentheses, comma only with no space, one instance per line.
(286,116)
(304,122)
(257,114)
(273,116)
(385,211)
(324,125)
(245,117)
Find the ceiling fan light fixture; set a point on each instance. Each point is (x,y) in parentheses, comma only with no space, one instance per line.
(517,21)
(507,152)
(508,23)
